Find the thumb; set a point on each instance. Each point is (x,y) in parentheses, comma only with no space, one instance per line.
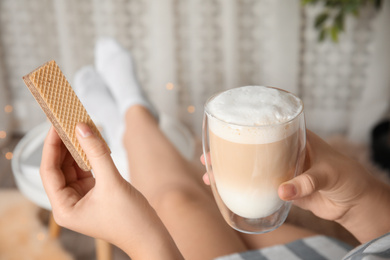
(96,150)
(299,187)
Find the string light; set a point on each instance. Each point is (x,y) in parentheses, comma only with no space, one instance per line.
(3,134)
(191,109)
(8,108)
(9,155)
(169,86)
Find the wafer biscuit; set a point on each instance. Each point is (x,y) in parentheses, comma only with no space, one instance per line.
(62,107)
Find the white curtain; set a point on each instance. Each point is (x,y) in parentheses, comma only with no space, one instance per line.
(186,50)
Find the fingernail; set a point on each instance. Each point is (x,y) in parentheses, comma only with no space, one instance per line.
(289,190)
(83,130)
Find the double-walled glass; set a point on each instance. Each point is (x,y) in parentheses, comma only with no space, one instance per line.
(246,164)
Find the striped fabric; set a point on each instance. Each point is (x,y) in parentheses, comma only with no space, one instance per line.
(313,248)
(376,249)
(318,248)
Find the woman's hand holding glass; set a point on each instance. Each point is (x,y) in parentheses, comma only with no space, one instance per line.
(337,188)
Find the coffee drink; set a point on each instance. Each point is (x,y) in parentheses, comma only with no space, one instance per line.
(255,144)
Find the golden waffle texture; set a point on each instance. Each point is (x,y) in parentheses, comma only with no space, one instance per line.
(61,105)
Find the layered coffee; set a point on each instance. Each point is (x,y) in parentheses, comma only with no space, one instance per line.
(254,147)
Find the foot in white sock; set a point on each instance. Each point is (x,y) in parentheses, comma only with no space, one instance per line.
(101,106)
(98,102)
(116,67)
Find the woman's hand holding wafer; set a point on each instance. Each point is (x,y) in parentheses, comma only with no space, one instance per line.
(103,206)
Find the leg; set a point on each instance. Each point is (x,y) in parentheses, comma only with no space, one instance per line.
(175,191)
(183,202)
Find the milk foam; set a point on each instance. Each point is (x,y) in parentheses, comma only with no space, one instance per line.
(253,114)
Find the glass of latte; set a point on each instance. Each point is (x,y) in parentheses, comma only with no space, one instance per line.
(254,139)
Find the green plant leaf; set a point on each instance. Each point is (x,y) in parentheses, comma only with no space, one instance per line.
(334,33)
(336,11)
(378,4)
(322,35)
(333,3)
(339,21)
(305,2)
(320,20)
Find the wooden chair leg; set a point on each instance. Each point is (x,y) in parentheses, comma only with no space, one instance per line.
(103,250)
(54,228)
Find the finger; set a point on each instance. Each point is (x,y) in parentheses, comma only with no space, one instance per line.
(52,156)
(300,187)
(53,179)
(53,144)
(203,159)
(206,179)
(71,170)
(97,153)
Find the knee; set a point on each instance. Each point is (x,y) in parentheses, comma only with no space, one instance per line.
(176,197)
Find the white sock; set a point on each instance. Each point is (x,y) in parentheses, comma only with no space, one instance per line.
(100,105)
(115,65)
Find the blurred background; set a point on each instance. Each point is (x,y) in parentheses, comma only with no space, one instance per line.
(335,55)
